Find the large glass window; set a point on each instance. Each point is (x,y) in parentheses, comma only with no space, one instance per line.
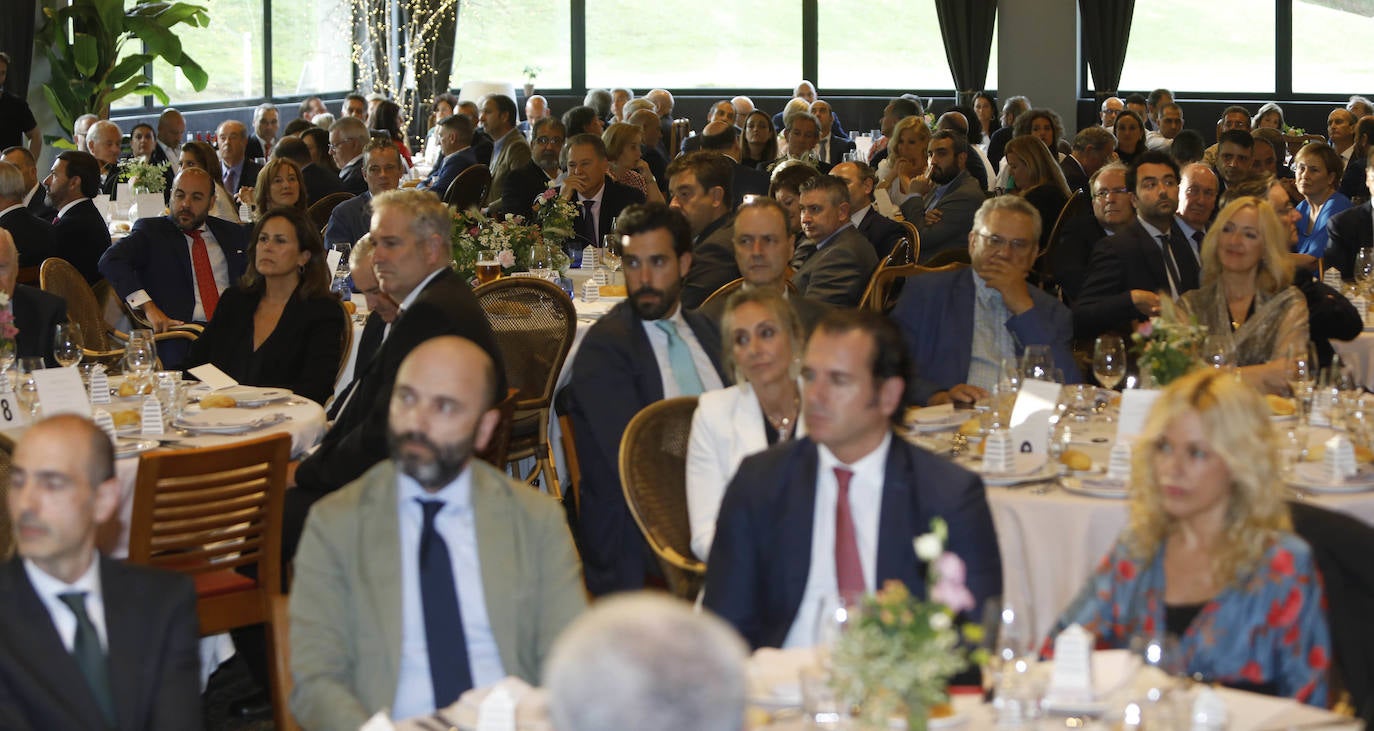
(1185,45)
(230,50)
(310,48)
(754,44)
(498,39)
(900,47)
(1328,47)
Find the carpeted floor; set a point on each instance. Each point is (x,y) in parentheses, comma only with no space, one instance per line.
(228,684)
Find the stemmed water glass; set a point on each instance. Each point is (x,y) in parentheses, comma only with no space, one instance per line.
(1038,363)
(1300,371)
(140,357)
(1109,361)
(615,246)
(1364,267)
(1009,637)
(26,386)
(67,344)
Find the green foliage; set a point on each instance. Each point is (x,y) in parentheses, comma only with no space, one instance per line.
(85,43)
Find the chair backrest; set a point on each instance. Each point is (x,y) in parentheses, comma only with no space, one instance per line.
(29,275)
(1078,204)
(680,130)
(58,277)
(499,446)
(319,211)
(886,284)
(534,323)
(725,291)
(6,521)
(913,239)
(347,338)
(469,188)
(207,510)
(567,437)
(653,474)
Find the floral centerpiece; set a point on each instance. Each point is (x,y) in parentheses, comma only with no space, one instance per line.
(1167,347)
(557,217)
(516,242)
(144,176)
(897,653)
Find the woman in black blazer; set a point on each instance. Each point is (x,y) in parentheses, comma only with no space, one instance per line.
(279,326)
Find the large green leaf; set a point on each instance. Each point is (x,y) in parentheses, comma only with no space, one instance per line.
(194,73)
(170,14)
(111,15)
(63,114)
(157,40)
(128,67)
(85,54)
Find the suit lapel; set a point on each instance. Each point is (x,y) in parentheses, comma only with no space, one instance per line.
(126,635)
(959,323)
(381,537)
(181,254)
(797,521)
(496,552)
(1153,254)
(896,555)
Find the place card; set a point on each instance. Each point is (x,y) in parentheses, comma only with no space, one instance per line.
(332,259)
(100,385)
(152,416)
(1332,278)
(106,423)
(1135,406)
(1320,413)
(999,451)
(212,377)
(1339,458)
(10,412)
(497,711)
(1072,680)
(1035,395)
(1119,462)
(60,392)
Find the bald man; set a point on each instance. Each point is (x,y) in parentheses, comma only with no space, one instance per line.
(171,132)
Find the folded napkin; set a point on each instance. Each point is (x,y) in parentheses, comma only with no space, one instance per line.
(776,674)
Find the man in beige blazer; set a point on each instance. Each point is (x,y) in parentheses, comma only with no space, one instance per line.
(509,151)
(364,635)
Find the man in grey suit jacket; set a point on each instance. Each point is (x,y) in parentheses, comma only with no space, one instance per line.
(510,150)
(487,578)
(943,204)
(700,185)
(835,261)
(350,220)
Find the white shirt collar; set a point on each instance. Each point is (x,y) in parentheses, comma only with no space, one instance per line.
(857,217)
(49,587)
(874,462)
(68,207)
(415,293)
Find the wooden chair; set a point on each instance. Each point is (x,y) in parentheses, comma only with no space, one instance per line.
(913,238)
(499,446)
(320,210)
(1078,204)
(470,188)
(6,522)
(732,286)
(881,293)
(29,275)
(681,130)
(208,512)
(653,474)
(534,323)
(103,342)
(347,343)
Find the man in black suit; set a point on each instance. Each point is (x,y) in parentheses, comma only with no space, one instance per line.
(524,184)
(318,181)
(410,231)
(87,642)
(1113,213)
(266,123)
(455,141)
(239,171)
(833,143)
(36,313)
(35,237)
(700,184)
(104,141)
(382,311)
(171,132)
(1349,231)
(801,135)
(849,490)
(35,195)
(1012,108)
(645,349)
(346,141)
(834,263)
(1092,148)
(1131,271)
(744,180)
(881,231)
(82,236)
(592,191)
(352,219)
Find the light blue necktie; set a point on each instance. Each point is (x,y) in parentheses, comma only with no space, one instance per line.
(680,359)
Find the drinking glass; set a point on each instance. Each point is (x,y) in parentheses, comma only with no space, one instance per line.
(1109,361)
(140,357)
(488,266)
(832,618)
(615,247)
(66,344)
(1038,363)
(26,388)
(1009,637)
(1216,351)
(1364,267)
(541,259)
(1301,374)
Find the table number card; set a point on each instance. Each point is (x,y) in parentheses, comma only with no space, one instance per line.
(11,415)
(1135,406)
(106,423)
(60,392)
(100,385)
(1030,416)
(152,416)
(1072,681)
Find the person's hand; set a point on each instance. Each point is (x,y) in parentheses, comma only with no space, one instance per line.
(1009,281)
(245,196)
(291,472)
(933,216)
(960,394)
(159,319)
(1145,301)
(572,183)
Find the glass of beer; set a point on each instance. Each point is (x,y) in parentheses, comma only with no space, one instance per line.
(488,267)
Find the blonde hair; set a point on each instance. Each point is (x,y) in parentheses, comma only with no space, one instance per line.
(1235,419)
(618,136)
(779,307)
(903,125)
(1275,268)
(1037,157)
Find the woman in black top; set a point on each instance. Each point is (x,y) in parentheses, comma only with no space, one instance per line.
(279,326)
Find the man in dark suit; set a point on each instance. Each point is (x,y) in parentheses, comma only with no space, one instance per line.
(171,133)
(1012,108)
(318,181)
(412,268)
(881,231)
(960,325)
(1080,235)
(35,194)
(36,313)
(835,262)
(87,642)
(82,236)
(834,143)
(104,141)
(801,135)
(266,123)
(1350,231)
(527,183)
(350,220)
(455,142)
(849,490)
(645,349)
(700,185)
(944,200)
(346,141)
(1130,271)
(1092,148)
(239,170)
(593,192)
(34,237)
(173,268)
(382,311)
(724,138)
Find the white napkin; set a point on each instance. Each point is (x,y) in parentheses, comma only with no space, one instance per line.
(497,712)
(378,722)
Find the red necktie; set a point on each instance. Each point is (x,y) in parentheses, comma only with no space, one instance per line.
(205,274)
(849,570)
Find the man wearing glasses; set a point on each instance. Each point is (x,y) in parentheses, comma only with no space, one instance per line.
(960,325)
(1092,148)
(527,182)
(1113,212)
(346,139)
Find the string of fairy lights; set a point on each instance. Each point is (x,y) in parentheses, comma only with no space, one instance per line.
(393,44)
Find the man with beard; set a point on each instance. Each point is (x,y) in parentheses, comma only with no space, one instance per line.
(81,233)
(943,205)
(526,183)
(487,573)
(645,349)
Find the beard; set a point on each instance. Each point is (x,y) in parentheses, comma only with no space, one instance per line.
(943,175)
(436,466)
(654,310)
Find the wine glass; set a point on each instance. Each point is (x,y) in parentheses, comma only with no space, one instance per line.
(1109,361)
(615,246)
(66,344)
(1038,363)
(832,618)
(1364,267)
(140,356)
(1216,352)
(1010,659)
(1300,371)
(26,386)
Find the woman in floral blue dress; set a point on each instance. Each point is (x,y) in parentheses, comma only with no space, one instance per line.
(1209,555)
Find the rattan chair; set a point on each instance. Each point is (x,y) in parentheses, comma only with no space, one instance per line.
(319,211)
(913,252)
(499,445)
(470,188)
(883,288)
(6,522)
(653,474)
(534,323)
(208,512)
(103,342)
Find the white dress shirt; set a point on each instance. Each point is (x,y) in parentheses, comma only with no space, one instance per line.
(173,157)
(658,340)
(218,264)
(455,523)
(865,505)
(49,587)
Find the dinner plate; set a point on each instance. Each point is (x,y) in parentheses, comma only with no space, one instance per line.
(1312,476)
(224,421)
(1024,471)
(1094,487)
(938,418)
(253,395)
(131,447)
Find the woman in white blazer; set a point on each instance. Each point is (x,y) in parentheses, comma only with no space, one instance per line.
(763,342)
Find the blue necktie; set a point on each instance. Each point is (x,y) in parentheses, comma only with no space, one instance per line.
(89,655)
(448,649)
(680,359)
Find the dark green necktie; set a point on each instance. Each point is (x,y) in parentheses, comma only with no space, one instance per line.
(90,657)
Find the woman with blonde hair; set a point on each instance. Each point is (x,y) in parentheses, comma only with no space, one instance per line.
(905,163)
(1035,176)
(1247,299)
(628,167)
(1317,168)
(1208,554)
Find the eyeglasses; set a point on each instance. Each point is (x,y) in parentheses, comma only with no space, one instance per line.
(993,241)
(1106,193)
(548,141)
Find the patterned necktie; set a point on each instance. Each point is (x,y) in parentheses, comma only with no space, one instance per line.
(205,274)
(680,360)
(229,181)
(448,647)
(849,570)
(90,657)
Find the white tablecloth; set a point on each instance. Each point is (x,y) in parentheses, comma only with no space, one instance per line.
(1359,354)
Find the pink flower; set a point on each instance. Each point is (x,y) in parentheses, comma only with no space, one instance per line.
(507,258)
(1146,329)
(548,193)
(949,586)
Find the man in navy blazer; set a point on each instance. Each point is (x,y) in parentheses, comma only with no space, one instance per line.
(455,141)
(352,219)
(589,184)
(627,361)
(959,325)
(80,229)
(1350,230)
(835,513)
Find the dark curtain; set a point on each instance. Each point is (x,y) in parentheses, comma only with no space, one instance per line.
(1106,31)
(966,26)
(16,39)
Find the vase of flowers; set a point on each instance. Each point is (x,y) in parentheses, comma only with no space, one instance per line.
(897,652)
(557,218)
(1166,347)
(516,242)
(147,181)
